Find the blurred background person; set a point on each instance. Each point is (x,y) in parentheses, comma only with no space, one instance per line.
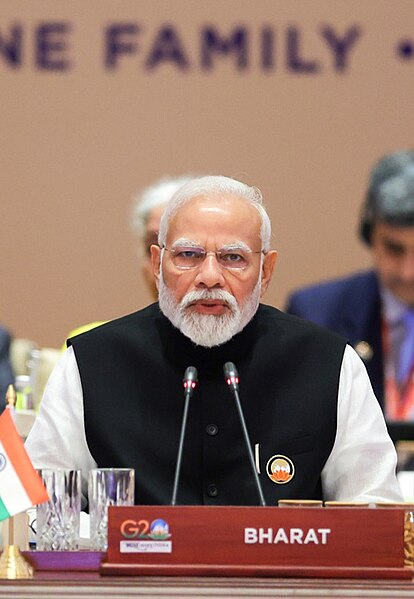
(6,372)
(146,214)
(374,310)
(148,206)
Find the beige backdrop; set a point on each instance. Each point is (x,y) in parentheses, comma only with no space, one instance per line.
(77,144)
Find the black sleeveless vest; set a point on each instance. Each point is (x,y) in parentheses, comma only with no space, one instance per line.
(131,371)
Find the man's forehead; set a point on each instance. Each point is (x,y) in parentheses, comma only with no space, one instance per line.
(216,205)
(401,235)
(220,214)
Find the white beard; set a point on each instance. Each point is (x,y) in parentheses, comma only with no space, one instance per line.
(208,330)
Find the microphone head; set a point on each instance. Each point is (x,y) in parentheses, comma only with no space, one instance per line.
(230,369)
(231,375)
(190,377)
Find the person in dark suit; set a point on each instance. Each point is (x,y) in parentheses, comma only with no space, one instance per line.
(6,373)
(374,309)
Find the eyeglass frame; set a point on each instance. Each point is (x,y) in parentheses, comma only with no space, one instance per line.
(217,253)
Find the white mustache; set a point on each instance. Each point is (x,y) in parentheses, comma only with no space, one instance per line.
(209,294)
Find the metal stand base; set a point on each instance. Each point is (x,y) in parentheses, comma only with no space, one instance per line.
(13,564)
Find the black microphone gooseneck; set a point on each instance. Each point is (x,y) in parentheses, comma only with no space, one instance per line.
(232,379)
(189,382)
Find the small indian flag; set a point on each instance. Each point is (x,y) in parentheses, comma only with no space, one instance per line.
(20,485)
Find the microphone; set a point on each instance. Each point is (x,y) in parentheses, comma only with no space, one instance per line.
(190,380)
(232,379)
(189,383)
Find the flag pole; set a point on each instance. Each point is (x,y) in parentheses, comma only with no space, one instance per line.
(13,565)
(11,530)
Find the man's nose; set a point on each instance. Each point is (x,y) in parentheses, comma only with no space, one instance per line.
(210,273)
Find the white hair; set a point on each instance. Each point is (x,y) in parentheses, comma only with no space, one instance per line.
(216,185)
(157,194)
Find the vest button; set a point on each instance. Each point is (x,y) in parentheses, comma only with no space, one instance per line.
(212,491)
(212,429)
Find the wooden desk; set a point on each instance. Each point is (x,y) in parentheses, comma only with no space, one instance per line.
(83,585)
(75,574)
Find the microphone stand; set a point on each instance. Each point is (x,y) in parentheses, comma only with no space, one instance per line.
(190,380)
(232,380)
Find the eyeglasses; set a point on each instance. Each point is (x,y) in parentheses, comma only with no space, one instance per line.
(187,258)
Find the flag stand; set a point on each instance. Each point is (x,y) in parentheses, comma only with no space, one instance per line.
(13,564)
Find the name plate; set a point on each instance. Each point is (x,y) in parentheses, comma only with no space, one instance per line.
(256,541)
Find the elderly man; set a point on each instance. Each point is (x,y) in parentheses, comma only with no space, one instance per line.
(374,310)
(116,397)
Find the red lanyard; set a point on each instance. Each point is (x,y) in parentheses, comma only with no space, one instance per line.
(399,399)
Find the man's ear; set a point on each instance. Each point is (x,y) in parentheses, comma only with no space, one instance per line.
(156,262)
(268,267)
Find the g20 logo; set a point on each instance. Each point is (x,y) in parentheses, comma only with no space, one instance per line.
(143,529)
